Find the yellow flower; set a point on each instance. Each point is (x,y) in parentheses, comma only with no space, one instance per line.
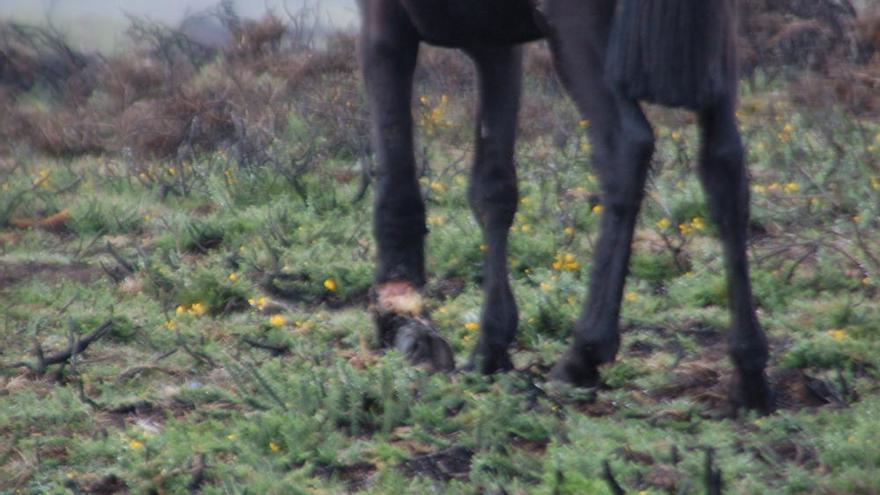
(685,229)
(837,334)
(676,136)
(198,309)
(789,128)
(181,310)
(483,248)
(171,325)
(857,219)
(172,171)
(135,444)
(233,277)
(875,183)
(546,286)
(275,447)
(438,187)
(472,326)
(698,223)
(436,220)
(330,285)
(423,100)
(583,124)
(526,228)
(792,187)
(664,223)
(568,230)
(598,209)
(586,147)
(232,437)
(277,320)
(774,187)
(525,201)
(632,296)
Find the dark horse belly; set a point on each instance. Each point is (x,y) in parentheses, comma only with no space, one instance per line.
(458,23)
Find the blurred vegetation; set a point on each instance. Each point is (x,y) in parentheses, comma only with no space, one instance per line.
(209,276)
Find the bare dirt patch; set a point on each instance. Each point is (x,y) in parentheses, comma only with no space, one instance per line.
(13,273)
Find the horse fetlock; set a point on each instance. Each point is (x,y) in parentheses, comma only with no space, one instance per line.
(751,390)
(489,359)
(575,371)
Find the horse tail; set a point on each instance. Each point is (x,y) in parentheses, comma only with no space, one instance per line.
(678,53)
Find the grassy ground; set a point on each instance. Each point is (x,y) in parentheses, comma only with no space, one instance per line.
(234,353)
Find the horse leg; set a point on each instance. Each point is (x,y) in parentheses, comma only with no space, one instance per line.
(623,143)
(493,196)
(388,50)
(723,173)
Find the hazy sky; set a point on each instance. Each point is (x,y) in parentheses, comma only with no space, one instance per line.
(170,10)
(100,24)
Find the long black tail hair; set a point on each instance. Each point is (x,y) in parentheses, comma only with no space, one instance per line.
(679,53)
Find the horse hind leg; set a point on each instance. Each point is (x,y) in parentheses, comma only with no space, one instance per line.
(623,143)
(494,197)
(723,173)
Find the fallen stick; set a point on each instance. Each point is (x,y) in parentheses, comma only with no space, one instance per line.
(74,348)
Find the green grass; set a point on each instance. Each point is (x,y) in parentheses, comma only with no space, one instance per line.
(176,397)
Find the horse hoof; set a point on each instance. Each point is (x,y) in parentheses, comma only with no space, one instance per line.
(422,345)
(750,390)
(575,374)
(490,363)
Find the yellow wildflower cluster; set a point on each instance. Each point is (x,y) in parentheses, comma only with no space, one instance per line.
(275,447)
(585,147)
(259,303)
(435,115)
(230,178)
(195,309)
(696,224)
(436,220)
(330,285)
(631,296)
(777,187)
(664,223)
(676,136)
(598,209)
(787,133)
(472,326)
(277,320)
(438,187)
(875,183)
(838,334)
(566,262)
(43,179)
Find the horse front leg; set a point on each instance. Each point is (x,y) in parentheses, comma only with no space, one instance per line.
(493,196)
(388,52)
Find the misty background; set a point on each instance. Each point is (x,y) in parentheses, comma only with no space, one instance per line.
(100,24)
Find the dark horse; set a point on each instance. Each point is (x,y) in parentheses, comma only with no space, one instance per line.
(609,55)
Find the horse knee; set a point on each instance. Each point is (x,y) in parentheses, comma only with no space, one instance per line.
(494,195)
